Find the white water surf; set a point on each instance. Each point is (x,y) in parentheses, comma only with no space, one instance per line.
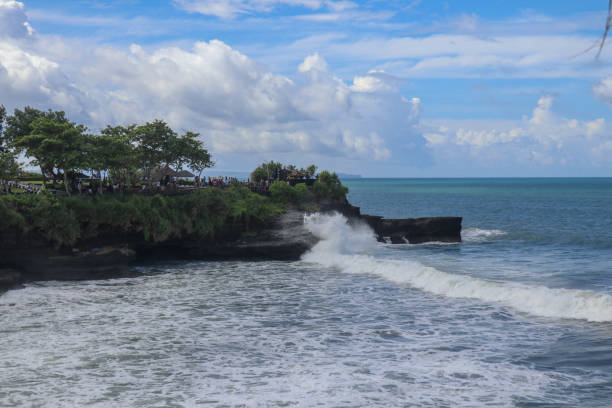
(352,250)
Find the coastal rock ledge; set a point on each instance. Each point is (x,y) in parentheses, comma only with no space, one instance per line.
(415,230)
(281,238)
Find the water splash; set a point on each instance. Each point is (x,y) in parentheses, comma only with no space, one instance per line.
(351,249)
(480,235)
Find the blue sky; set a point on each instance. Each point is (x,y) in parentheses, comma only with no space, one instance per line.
(379,88)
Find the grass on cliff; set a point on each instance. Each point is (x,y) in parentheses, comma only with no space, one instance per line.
(65,220)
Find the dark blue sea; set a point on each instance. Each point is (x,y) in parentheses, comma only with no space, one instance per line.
(517,315)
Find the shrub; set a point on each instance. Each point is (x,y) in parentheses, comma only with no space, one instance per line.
(64,220)
(281,192)
(328,185)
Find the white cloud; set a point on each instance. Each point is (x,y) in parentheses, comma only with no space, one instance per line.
(603,90)
(313,62)
(13,20)
(374,82)
(544,138)
(233,8)
(238,105)
(246,111)
(471,56)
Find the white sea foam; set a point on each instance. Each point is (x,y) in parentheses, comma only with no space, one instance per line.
(480,235)
(346,247)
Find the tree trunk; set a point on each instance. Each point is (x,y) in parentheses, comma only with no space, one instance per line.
(43,176)
(66,181)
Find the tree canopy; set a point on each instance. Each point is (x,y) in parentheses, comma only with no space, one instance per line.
(274,171)
(60,146)
(9,167)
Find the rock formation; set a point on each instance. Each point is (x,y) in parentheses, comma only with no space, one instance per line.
(283,237)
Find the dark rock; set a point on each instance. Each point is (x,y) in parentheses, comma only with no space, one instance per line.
(9,279)
(47,264)
(420,230)
(283,238)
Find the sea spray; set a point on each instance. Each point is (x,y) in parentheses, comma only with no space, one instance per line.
(478,235)
(351,248)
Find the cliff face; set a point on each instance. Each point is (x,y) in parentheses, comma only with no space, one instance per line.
(24,259)
(416,230)
(282,237)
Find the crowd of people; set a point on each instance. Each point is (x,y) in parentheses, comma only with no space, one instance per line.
(166,184)
(11,187)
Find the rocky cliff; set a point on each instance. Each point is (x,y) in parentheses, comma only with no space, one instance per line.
(282,237)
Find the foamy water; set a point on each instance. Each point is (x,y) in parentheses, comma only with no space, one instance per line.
(343,246)
(480,235)
(518,315)
(269,334)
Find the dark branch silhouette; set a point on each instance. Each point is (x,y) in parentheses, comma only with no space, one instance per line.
(608,23)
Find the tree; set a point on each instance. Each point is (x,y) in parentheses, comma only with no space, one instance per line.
(158,146)
(9,167)
(328,185)
(278,171)
(3,145)
(56,143)
(114,152)
(194,153)
(310,170)
(19,126)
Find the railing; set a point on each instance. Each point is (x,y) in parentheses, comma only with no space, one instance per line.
(149,190)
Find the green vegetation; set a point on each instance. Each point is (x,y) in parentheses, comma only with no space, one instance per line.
(298,196)
(62,148)
(9,168)
(273,171)
(328,185)
(65,220)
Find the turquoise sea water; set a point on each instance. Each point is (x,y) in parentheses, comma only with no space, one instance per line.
(517,315)
(553,231)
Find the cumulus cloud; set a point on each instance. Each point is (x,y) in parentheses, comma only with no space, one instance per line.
(545,138)
(237,104)
(603,90)
(242,107)
(13,20)
(244,110)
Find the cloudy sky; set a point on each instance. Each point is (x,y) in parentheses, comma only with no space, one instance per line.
(415,88)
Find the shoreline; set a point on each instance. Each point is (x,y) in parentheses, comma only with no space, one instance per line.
(281,237)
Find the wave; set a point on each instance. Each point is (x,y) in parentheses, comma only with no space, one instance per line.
(351,249)
(480,235)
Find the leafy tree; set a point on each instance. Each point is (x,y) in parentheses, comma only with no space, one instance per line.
(3,145)
(197,157)
(190,151)
(278,171)
(19,126)
(328,185)
(56,143)
(310,170)
(158,146)
(9,167)
(267,171)
(153,144)
(113,151)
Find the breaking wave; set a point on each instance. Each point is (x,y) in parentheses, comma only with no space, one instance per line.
(480,235)
(351,248)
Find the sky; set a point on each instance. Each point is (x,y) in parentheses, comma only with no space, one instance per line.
(415,88)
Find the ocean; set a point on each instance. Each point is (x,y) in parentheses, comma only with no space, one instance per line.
(517,315)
